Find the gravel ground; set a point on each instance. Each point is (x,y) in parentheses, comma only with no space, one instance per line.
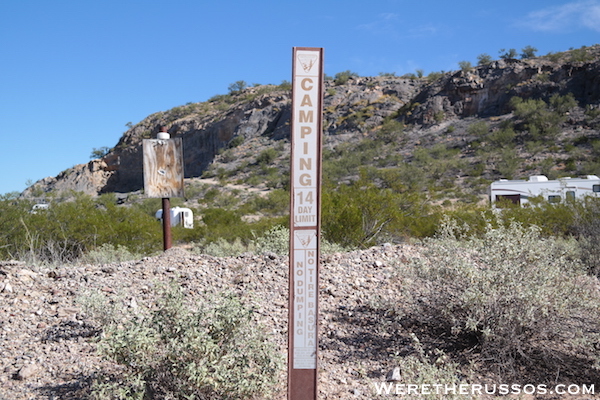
(48,345)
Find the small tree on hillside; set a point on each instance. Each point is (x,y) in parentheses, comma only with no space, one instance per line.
(99,152)
(528,52)
(484,59)
(237,87)
(508,54)
(465,65)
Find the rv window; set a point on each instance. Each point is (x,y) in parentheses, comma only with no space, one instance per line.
(507,199)
(554,199)
(570,195)
(596,188)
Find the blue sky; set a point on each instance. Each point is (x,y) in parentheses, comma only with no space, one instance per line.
(73,73)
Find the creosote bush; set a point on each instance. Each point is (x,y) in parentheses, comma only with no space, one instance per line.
(69,229)
(276,240)
(517,299)
(213,349)
(426,369)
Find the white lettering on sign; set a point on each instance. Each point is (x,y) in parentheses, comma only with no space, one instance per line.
(305,299)
(306,137)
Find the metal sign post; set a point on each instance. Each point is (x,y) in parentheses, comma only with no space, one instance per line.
(163,174)
(305,221)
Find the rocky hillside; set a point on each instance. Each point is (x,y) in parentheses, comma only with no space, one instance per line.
(229,131)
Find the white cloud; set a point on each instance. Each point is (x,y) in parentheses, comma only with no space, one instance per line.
(569,16)
(390,25)
(383,25)
(423,31)
(591,19)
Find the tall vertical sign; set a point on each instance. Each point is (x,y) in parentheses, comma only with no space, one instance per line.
(305,221)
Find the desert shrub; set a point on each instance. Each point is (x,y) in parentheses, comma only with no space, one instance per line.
(100,152)
(237,87)
(341,78)
(391,130)
(437,161)
(465,66)
(276,202)
(212,348)
(434,76)
(108,253)
(518,299)
(275,240)
(528,52)
(267,156)
(541,119)
(220,223)
(236,141)
(508,163)
(362,214)
(586,225)
(224,248)
(508,54)
(502,138)
(69,229)
(426,369)
(562,104)
(484,59)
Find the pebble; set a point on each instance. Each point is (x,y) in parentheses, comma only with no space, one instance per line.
(27,372)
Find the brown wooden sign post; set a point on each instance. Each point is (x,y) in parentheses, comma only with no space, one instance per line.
(163,175)
(305,221)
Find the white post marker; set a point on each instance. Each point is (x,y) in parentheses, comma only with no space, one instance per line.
(305,221)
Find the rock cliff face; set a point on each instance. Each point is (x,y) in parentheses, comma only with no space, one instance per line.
(353,109)
(485,91)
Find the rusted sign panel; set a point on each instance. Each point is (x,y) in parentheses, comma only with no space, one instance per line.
(163,167)
(307,111)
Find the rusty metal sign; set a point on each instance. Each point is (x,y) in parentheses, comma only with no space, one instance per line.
(163,167)
(305,203)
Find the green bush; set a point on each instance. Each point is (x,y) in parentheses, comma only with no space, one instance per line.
(508,54)
(69,229)
(362,214)
(516,298)
(210,349)
(586,225)
(484,59)
(342,78)
(267,156)
(223,248)
(478,129)
(542,120)
(275,240)
(237,87)
(465,66)
(429,368)
(528,52)
(108,253)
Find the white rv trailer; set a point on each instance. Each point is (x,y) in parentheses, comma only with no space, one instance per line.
(179,216)
(554,191)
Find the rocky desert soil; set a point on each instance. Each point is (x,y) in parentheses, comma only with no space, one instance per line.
(48,346)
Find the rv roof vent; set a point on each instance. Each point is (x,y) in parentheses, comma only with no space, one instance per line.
(591,177)
(538,178)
